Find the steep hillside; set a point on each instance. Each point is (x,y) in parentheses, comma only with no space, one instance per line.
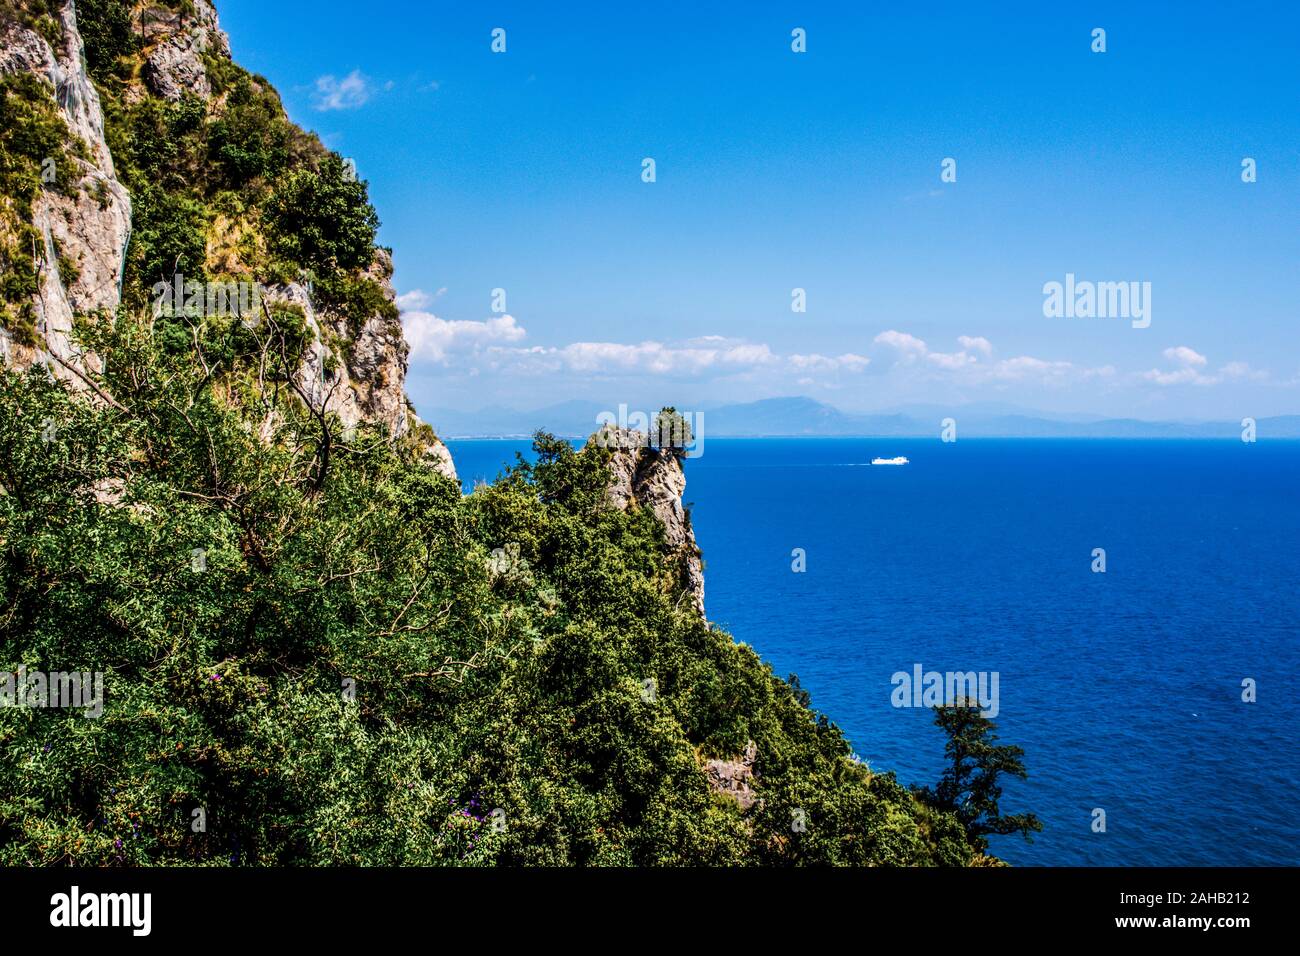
(178,185)
(310,647)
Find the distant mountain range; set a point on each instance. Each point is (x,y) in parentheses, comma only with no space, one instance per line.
(792,417)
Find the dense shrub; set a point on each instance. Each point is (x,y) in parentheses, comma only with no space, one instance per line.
(250,143)
(499,644)
(321,218)
(105,28)
(169,237)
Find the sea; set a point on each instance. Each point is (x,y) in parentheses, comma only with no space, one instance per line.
(1155,700)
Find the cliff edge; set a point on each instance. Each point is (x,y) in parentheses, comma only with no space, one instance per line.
(228,195)
(645,476)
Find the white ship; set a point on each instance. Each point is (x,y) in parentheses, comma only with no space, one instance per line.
(900,460)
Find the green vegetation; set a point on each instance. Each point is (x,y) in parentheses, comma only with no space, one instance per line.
(230,188)
(69,271)
(39,15)
(671,430)
(222,188)
(105,28)
(316,650)
(250,144)
(969,788)
(357,298)
(320,218)
(479,684)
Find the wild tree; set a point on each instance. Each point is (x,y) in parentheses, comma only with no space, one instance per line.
(970,788)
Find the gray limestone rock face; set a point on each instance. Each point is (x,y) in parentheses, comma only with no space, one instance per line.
(176,43)
(438,457)
(654,478)
(734,778)
(366,382)
(89,228)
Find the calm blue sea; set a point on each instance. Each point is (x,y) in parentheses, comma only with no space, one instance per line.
(1124,688)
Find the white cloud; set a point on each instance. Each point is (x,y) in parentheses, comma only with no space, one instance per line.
(700,357)
(1027,367)
(496,344)
(1182,355)
(912,349)
(1191,370)
(909,345)
(1184,376)
(349,93)
(970,366)
(434,338)
(1236,371)
(951,360)
(748,354)
(656,358)
(848,362)
(415,300)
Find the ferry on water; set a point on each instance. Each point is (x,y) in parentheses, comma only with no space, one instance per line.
(900,460)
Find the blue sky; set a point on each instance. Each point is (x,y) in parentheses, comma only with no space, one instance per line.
(778,170)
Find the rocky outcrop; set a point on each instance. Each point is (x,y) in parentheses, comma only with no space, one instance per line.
(360,375)
(363,380)
(438,457)
(356,372)
(89,226)
(173,64)
(649,477)
(363,383)
(734,778)
(378,358)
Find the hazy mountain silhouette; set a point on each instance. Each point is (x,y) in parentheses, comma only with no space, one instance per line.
(801,416)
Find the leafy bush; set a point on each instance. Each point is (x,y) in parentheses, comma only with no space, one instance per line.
(105,28)
(169,236)
(353,677)
(251,142)
(322,219)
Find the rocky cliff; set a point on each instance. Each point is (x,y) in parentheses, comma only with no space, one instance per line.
(223,181)
(644,476)
(83,217)
(181,111)
(226,189)
(538,647)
